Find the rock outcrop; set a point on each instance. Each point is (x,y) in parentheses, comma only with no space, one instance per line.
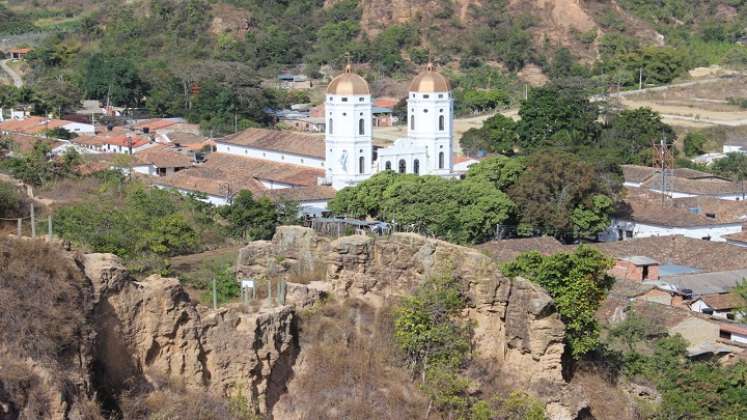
(517,329)
(150,331)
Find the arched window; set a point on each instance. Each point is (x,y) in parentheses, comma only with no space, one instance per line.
(361,165)
(441,123)
(412,122)
(331,127)
(416,167)
(440,160)
(388,165)
(361,127)
(402,166)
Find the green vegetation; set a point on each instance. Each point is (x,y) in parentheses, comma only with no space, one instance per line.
(521,194)
(36,168)
(733,166)
(694,144)
(252,219)
(10,200)
(226,285)
(578,283)
(689,389)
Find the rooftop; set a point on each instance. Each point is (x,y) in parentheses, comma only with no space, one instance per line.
(226,167)
(737,237)
(640,260)
(163,157)
(507,249)
(193,181)
(724,301)
(647,207)
(31,125)
(708,283)
(638,173)
(704,255)
(277,140)
(699,186)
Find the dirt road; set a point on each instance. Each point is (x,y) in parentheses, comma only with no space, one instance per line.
(17,79)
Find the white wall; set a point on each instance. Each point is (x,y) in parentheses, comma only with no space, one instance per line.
(274,185)
(732,197)
(643,230)
(210,199)
(79,128)
(344,143)
(425,109)
(739,338)
(273,156)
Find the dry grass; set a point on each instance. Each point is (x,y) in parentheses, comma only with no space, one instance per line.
(350,367)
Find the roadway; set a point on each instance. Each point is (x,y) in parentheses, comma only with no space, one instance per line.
(15,77)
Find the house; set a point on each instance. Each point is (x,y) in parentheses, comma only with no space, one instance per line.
(17,53)
(111,143)
(275,145)
(708,218)
(737,239)
(463,162)
(720,305)
(160,161)
(192,142)
(734,333)
(294,81)
(383,117)
(35,125)
(680,255)
(682,182)
(636,268)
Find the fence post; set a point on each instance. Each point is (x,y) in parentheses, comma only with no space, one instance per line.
(49,224)
(215,295)
(20,224)
(33,222)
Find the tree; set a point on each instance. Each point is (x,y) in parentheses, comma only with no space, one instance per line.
(733,166)
(632,132)
(10,199)
(171,235)
(249,218)
(497,135)
(500,171)
(555,116)
(562,196)
(694,143)
(578,283)
(112,77)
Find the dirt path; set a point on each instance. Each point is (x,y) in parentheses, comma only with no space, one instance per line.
(17,79)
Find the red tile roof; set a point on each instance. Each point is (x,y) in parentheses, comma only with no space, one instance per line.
(277,140)
(31,125)
(163,157)
(112,139)
(723,301)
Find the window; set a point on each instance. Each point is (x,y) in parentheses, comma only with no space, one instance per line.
(344,99)
(361,165)
(426,96)
(388,165)
(425,111)
(440,160)
(361,127)
(441,123)
(331,126)
(412,122)
(402,166)
(440,95)
(360,99)
(416,167)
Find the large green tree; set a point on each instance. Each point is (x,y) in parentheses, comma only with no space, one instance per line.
(561,195)
(631,133)
(497,135)
(557,116)
(251,218)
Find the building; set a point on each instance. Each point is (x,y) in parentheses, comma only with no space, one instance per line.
(720,305)
(734,333)
(383,117)
(35,125)
(644,214)
(737,239)
(278,146)
(682,183)
(160,161)
(17,53)
(636,268)
(111,143)
(294,81)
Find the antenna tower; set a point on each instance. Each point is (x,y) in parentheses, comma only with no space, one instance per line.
(664,162)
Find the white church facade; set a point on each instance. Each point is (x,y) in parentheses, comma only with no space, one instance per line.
(426,150)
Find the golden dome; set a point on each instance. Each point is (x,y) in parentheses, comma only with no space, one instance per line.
(430,81)
(348,83)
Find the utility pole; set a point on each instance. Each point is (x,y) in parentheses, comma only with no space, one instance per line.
(640,79)
(20,224)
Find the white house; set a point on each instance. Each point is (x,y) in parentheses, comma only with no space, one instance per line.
(160,161)
(736,333)
(719,305)
(275,145)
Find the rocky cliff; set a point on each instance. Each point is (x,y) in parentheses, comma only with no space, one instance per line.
(517,330)
(140,337)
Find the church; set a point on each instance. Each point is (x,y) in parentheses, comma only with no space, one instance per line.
(309,169)
(349,152)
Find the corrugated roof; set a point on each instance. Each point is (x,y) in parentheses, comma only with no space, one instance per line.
(708,283)
(277,140)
